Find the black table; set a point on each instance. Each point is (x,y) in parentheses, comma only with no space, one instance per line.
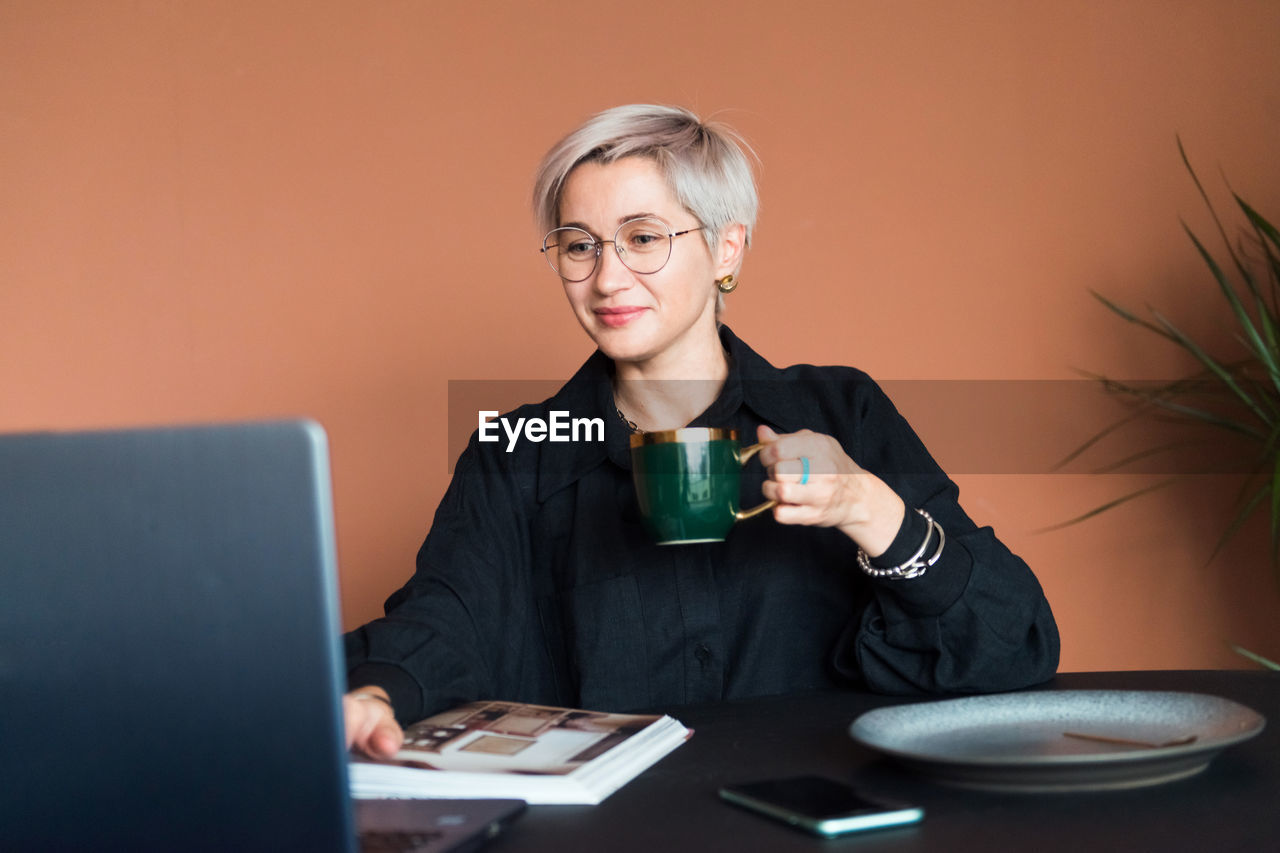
(1233,805)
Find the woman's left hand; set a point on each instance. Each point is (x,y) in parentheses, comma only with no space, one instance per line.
(837,493)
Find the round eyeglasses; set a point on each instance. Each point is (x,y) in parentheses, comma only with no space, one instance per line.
(643,245)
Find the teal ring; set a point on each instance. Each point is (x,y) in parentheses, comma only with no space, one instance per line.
(804,462)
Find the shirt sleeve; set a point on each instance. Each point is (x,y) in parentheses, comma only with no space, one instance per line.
(977,620)
(467,606)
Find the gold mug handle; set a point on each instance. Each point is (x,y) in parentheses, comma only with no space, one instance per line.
(743,458)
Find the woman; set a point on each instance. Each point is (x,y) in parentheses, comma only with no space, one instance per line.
(537,582)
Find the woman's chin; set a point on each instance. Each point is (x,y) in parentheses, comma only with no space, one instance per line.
(620,343)
(621,353)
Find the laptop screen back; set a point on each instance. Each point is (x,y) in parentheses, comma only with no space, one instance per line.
(169,662)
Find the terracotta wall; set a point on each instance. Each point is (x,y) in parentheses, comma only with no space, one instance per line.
(214,211)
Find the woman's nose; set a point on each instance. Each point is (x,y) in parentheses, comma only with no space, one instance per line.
(611,273)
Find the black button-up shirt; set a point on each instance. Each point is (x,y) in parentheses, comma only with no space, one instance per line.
(538,583)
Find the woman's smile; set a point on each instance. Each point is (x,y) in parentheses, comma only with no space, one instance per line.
(619,316)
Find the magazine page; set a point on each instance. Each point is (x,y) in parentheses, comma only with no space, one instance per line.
(511,737)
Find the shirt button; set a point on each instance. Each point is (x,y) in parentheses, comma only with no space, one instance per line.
(702,653)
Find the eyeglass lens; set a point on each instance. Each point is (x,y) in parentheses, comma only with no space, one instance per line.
(644,245)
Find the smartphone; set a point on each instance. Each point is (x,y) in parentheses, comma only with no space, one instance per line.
(822,806)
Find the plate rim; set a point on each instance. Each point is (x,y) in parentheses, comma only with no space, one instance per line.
(1137,756)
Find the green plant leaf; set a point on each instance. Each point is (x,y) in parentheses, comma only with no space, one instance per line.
(1112,467)
(1265,228)
(1275,510)
(1192,413)
(1109,505)
(1246,510)
(1239,395)
(1269,240)
(1079,451)
(1209,362)
(1254,341)
(1131,317)
(1208,203)
(1256,658)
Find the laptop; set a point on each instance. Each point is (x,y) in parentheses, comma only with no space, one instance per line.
(170,663)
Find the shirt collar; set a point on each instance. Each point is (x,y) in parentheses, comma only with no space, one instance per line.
(584,395)
(776,399)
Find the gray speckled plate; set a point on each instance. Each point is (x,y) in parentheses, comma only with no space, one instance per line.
(1017,741)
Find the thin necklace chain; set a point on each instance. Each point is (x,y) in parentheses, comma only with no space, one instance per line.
(631,425)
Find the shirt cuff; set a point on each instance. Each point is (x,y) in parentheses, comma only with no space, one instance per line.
(944,582)
(403,688)
(908,541)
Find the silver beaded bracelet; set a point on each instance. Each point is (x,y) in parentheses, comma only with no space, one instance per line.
(914,567)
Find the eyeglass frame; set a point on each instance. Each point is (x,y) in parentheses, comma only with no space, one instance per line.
(671,237)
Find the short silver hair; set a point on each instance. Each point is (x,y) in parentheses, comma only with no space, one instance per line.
(705,164)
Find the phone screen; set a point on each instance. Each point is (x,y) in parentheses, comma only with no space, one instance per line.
(819,805)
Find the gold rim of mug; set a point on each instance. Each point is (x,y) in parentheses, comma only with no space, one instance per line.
(669,436)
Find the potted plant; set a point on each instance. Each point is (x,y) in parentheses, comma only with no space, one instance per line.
(1238,396)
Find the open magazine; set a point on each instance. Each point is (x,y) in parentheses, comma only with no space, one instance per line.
(535,753)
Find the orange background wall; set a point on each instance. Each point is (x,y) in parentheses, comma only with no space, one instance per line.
(215,211)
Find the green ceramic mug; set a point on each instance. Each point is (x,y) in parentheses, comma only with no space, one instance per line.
(687,481)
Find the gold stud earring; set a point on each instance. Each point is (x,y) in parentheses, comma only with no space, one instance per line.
(728,284)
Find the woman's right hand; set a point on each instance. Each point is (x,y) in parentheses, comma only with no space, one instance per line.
(371,724)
